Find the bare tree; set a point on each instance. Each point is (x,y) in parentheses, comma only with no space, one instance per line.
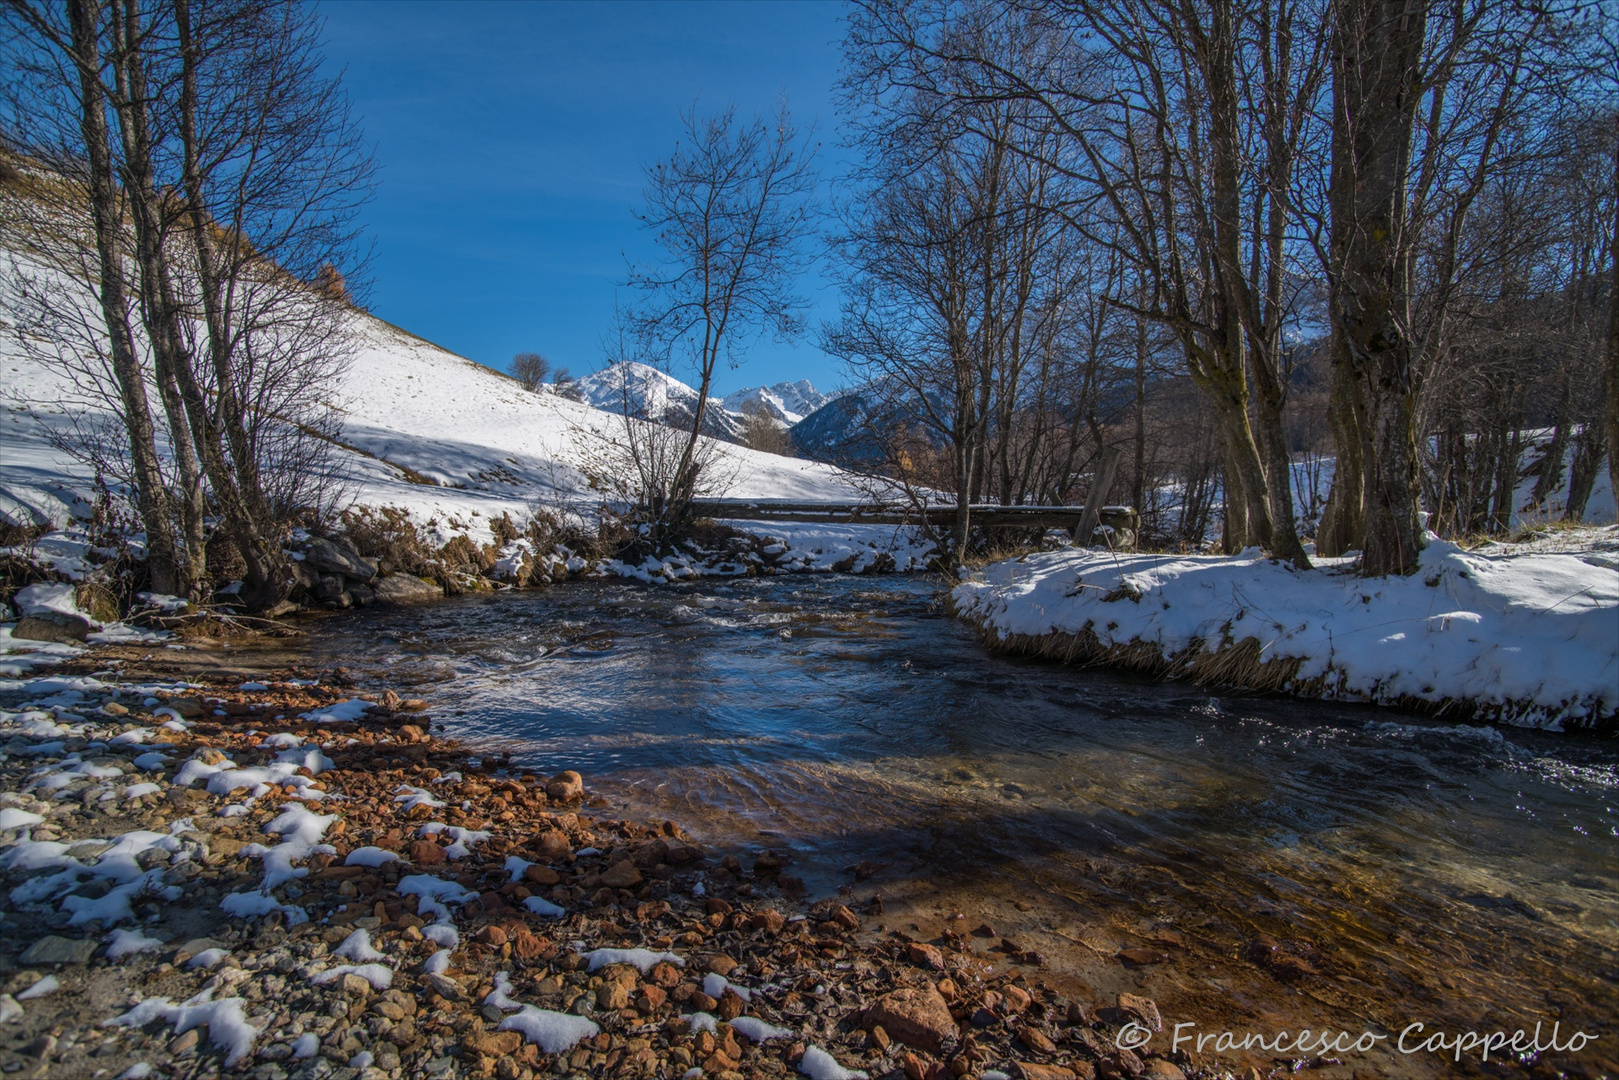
(530,369)
(762,431)
(238,173)
(730,210)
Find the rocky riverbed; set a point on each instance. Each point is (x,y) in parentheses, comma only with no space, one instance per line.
(281,878)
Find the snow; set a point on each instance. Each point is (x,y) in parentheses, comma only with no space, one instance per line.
(442,933)
(46,986)
(226,1021)
(12,818)
(122,943)
(357,947)
(342,712)
(433,893)
(716,985)
(208,959)
(757,1030)
(379,976)
(788,402)
(247,905)
(487,446)
(702,1021)
(305,757)
(370,856)
(514,865)
(305,1046)
(544,908)
(817,1064)
(50,598)
(460,837)
(301,832)
(641,959)
(500,997)
(413,797)
(1529,638)
(554,1032)
(151,762)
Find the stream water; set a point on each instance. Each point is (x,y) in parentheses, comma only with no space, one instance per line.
(1296,862)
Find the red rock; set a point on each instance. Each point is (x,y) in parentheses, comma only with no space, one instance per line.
(916,1016)
(541,875)
(621,875)
(769,920)
(426,853)
(1029,1070)
(564,787)
(843,917)
(923,955)
(552,845)
(1143,1009)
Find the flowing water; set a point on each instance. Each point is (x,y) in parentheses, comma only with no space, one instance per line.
(1296,862)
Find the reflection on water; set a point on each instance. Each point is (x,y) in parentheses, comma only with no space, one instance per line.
(1464,873)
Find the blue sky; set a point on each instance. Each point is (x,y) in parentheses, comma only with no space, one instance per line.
(512,139)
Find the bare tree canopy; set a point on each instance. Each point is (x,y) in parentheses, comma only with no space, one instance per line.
(730,211)
(530,369)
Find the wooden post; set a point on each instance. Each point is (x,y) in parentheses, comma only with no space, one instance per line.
(1100,486)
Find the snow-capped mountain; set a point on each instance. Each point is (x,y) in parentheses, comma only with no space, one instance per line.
(788,402)
(643,391)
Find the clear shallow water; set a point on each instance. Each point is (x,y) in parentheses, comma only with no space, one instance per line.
(1467,871)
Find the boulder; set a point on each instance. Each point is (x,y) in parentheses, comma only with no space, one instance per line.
(53,626)
(337,557)
(552,844)
(328,587)
(52,949)
(405,589)
(302,575)
(916,1016)
(565,787)
(621,875)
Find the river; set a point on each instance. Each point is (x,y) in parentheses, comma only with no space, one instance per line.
(1291,862)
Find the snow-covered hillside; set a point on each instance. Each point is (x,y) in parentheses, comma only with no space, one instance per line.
(788,402)
(450,440)
(643,391)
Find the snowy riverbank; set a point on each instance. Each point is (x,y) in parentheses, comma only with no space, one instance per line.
(1527,638)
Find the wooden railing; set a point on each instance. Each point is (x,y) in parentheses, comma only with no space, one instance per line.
(988,515)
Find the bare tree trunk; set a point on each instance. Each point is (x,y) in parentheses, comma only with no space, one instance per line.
(1589,446)
(151,496)
(1613,340)
(170,363)
(1550,479)
(1139,490)
(1375,92)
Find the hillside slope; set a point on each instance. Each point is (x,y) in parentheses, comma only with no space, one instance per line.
(449,440)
